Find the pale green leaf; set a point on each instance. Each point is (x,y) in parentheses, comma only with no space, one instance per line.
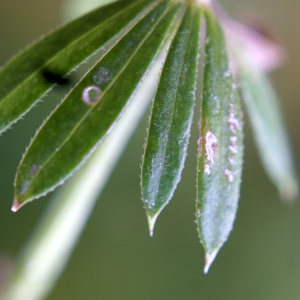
(220,145)
(268,126)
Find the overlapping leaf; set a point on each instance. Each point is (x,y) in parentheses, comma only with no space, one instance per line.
(171,118)
(220,145)
(30,75)
(268,127)
(91,109)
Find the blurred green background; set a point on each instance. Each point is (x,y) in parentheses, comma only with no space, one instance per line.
(115,257)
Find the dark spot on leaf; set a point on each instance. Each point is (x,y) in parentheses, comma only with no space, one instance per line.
(53,77)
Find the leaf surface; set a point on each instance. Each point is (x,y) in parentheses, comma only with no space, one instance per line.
(268,127)
(92,108)
(220,145)
(171,118)
(32,73)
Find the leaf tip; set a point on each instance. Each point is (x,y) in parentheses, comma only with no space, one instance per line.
(151,223)
(16,205)
(209,258)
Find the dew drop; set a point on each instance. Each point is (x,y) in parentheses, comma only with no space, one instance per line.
(91,95)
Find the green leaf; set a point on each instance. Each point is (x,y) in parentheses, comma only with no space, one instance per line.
(268,127)
(220,145)
(31,74)
(171,117)
(92,108)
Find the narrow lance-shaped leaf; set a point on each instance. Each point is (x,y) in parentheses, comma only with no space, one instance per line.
(92,108)
(267,124)
(171,118)
(32,73)
(220,145)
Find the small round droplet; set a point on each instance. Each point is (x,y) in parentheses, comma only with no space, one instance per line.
(91,95)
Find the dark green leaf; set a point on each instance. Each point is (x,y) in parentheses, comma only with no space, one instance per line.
(220,145)
(92,108)
(31,74)
(171,118)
